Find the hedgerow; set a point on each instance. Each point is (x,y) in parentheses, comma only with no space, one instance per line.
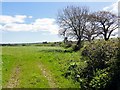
(102,70)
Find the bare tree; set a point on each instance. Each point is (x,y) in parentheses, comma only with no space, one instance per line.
(91,31)
(72,21)
(107,22)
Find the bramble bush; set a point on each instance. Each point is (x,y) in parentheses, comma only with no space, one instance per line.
(102,71)
(102,65)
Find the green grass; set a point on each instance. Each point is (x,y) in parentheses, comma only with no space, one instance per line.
(28,59)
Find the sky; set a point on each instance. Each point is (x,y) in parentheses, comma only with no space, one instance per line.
(31,22)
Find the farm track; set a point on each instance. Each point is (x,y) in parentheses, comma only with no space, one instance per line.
(14,80)
(46,73)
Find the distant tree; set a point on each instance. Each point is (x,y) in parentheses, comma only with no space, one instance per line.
(72,21)
(45,42)
(107,22)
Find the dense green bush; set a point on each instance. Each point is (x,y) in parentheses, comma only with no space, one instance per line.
(100,79)
(102,59)
(102,71)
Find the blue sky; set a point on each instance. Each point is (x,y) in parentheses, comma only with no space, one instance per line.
(28,14)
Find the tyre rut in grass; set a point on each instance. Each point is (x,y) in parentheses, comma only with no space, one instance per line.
(46,73)
(14,80)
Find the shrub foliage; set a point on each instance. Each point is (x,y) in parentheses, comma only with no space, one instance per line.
(102,69)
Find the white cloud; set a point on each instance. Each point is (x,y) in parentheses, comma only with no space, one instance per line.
(12,19)
(46,24)
(112,8)
(17,27)
(17,23)
(30,16)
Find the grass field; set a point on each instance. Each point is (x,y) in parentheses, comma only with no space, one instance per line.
(36,67)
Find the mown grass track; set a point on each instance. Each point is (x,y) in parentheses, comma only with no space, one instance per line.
(36,67)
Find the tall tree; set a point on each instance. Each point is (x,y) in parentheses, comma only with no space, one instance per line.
(72,21)
(91,31)
(107,22)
